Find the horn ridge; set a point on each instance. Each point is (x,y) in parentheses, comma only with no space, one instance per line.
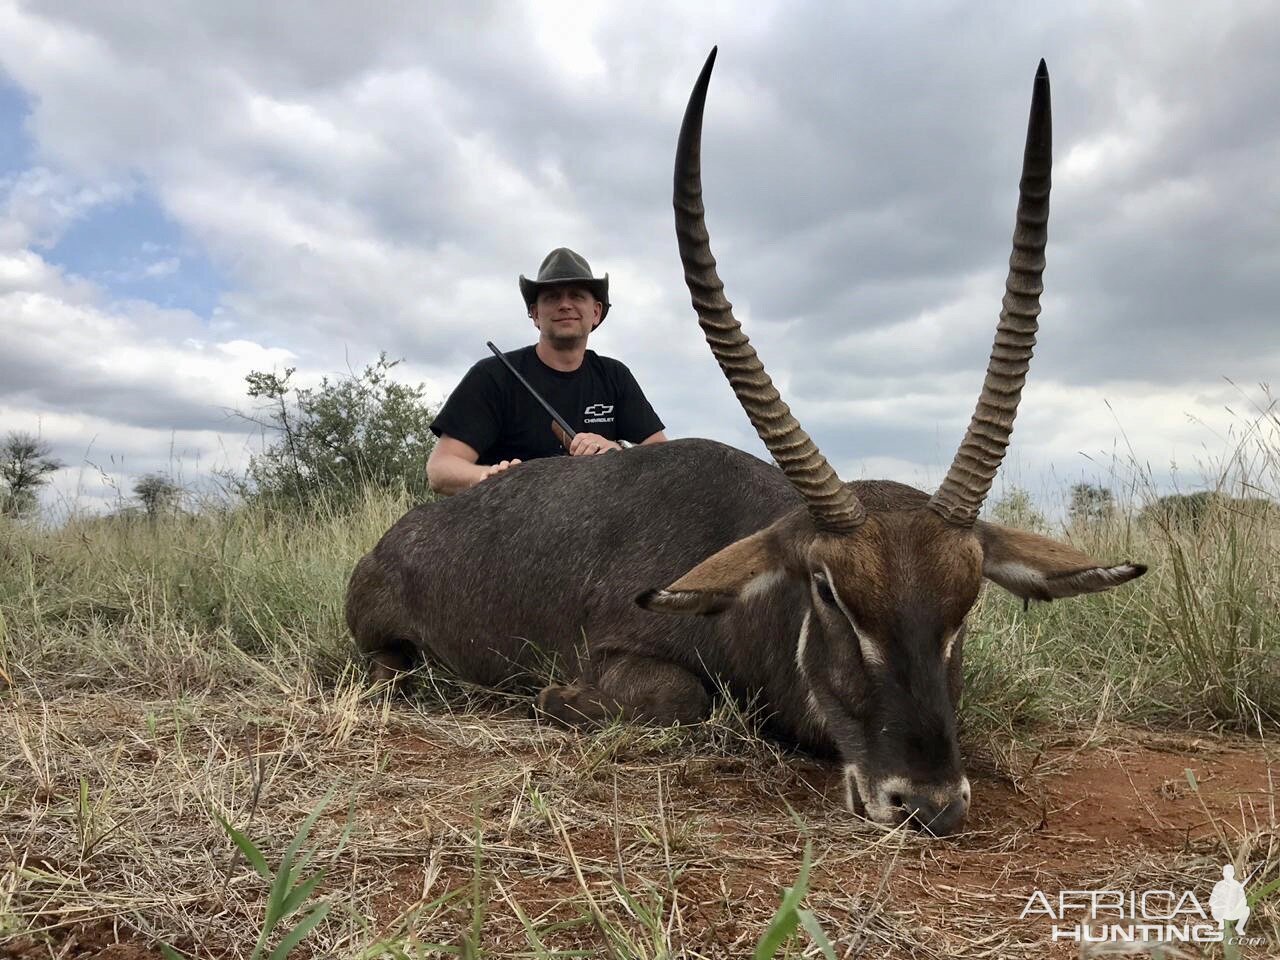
(833,506)
(960,496)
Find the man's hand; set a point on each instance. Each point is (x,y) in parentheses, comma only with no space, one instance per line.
(496,469)
(452,467)
(589,444)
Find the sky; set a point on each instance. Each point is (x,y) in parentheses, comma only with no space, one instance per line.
(193,191)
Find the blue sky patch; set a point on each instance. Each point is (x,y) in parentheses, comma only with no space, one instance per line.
(134,250)
(15,146)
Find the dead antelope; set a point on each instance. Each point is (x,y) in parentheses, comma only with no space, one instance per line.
(839,608)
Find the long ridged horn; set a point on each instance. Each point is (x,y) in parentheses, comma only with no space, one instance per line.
(967,483)
(833,506)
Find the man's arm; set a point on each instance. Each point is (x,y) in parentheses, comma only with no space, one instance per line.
(658,437)
(452,466)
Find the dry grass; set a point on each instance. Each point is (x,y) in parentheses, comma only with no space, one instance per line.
(461,821)
(475,830)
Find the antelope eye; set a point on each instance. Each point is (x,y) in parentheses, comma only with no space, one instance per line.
(824,589)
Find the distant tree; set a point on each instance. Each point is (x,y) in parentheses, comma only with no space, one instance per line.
(1190,510)
(25,465)
(157,494)
(335,440)
(1090,503)
(1179,509)
(1015,509)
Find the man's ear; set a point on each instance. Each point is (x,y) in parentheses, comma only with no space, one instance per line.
(1037,568)
(720,580)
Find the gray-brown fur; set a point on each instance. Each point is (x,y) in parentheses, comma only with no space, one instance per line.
(541,561)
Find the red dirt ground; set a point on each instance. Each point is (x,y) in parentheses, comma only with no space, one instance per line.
(1070,819)
(1073,818)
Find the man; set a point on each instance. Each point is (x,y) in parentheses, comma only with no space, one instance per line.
(490,423)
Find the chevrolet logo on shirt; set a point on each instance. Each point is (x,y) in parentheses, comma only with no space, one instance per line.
(598,410)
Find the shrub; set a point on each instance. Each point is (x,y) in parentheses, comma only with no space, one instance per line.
(335,441)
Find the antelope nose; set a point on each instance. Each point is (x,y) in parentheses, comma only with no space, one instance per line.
(939,810)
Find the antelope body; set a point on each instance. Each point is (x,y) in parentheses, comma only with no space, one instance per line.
(838,609)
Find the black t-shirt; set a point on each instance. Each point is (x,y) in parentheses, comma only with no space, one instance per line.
(494,414)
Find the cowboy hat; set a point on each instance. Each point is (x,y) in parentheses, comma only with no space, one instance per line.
(562,266)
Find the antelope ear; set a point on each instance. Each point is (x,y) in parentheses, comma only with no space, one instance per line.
(1036,568)
(750,564)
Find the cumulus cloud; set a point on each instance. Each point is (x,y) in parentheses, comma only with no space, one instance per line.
(376,180)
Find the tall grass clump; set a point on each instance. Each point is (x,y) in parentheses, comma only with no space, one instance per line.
(1194,642)
(1211,612)
(1217,608)
(187,598)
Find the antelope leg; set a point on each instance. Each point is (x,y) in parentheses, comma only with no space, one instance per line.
(630,688)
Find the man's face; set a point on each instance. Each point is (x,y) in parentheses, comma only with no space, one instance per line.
(565,312)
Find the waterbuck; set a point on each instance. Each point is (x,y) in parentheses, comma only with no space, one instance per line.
(837,608)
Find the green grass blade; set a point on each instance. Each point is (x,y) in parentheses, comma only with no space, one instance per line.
(816,933)
(299,894)
(539,948)
(1263,892)
(304,831)
(294,936)
(247,847)
(781,927)
(787,918)
(281,884)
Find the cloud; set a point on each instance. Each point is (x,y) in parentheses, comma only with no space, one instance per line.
(375,181)
(68,356)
